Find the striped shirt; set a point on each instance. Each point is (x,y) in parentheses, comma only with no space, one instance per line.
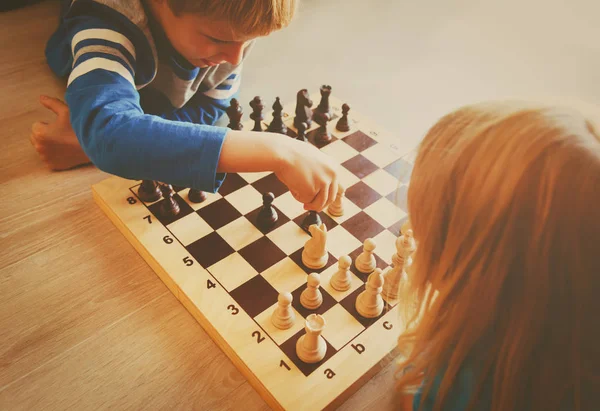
(138,108)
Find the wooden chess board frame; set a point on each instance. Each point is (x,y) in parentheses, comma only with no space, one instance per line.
(252,343)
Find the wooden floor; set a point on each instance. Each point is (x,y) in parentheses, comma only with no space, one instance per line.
(86,324)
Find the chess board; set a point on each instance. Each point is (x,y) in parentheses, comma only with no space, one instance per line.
(228,272)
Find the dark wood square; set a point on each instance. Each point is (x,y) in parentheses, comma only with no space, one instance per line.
(328,302)
(312,135)
(219,213)
(297,258)
(209,249)
(184,209)
(291,133)
(401,169)
(232,182)
(329,222)
(349,303)
(362,226)
(397,227)
(362,195)
(400,197)
(255,295)
(262,254)
(359,141)
(360,166)
(378,261)
(289,348)
(270,184)
(252,216)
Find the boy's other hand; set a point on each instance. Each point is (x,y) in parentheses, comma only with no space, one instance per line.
(310,174)
(56,142)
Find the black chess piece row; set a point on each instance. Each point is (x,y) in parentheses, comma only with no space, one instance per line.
(151,191)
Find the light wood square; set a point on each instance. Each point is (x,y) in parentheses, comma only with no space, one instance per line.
(382,182)
(232,271)
(341,242)
(210,198)
(338,295)
(190,228)
(239,233)
(288,205)
(346,178)
(386,245)
(340,151)
(284,276)
(350,210)
(385,212)
(245,199)
(289,237)
(340,326)
(252,177)
(381,155)
(279,336)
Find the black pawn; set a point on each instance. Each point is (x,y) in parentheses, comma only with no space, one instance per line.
(277,125)
(196,196)
(169,207)
(257,113)
(302,132)
(267,216)
(235,113)
(343,124)
(312,218)
(149,191)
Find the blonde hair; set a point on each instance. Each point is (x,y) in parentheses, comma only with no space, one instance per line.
(248,17)
(504,203)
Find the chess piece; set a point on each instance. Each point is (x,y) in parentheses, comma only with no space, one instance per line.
(405,245)
(169,206)
(149,191)
(343,123)
(315,254)
(369,303)
(302,132)
(342,279)
(234,112)
(405,226)
(311,347)
(277,125)
(311,218)
(336,208)
(312,298)
(303,109)
(365,262)
(257,113)
(267,216)
(322,116)
(283,317)
(196,196)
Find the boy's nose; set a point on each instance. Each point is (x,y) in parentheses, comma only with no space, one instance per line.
(235,52)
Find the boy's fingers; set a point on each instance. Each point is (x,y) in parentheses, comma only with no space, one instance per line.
(319,201)
(55,105)
(39,127)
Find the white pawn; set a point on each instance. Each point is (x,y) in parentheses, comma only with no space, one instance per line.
(342,279)
(365,262)
(405,245)
(283,317)
(369,303)
(311,298)
(336,208)
(311,347)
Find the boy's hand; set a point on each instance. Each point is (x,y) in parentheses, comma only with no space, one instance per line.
(310,174)
(56,142)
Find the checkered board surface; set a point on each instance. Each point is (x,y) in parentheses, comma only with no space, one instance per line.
(228,272)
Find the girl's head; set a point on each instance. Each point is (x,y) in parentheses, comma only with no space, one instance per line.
(505,206)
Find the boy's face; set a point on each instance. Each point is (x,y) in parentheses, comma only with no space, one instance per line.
(201,41)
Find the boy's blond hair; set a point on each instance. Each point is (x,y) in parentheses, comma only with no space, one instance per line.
(505,205)
(248,17)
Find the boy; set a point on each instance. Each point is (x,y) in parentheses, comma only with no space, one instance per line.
(148,79)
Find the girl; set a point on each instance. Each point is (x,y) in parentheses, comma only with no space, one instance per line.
(503,300)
